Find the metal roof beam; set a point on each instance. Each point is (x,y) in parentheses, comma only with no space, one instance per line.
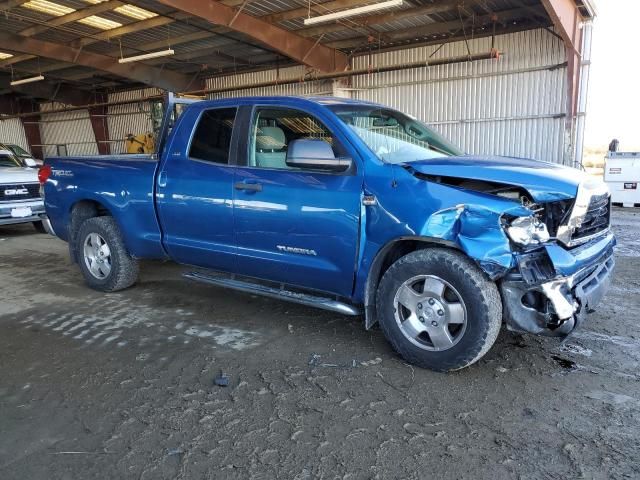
(319,8)
(9,4)
(44,90)
(444,6)
(436,28)
(167,80)
(566,18)
(290,44)
(71,17)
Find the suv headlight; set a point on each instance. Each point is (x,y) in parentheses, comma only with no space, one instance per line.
(527,231)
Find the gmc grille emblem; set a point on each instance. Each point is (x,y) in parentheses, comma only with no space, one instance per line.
(16,191)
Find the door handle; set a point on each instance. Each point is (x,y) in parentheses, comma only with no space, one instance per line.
(162,179)
(251,187)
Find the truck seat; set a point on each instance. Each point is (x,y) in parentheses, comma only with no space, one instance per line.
(271,149)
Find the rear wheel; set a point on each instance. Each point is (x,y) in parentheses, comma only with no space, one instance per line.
(102,256)
(438,310)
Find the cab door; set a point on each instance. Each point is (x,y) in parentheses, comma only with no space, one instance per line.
(194,189)
(295,225)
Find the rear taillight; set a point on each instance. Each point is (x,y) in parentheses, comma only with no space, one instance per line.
(44,173)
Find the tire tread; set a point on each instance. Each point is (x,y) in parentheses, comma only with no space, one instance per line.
(490,305)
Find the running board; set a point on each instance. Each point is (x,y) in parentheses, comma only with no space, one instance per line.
(279,293)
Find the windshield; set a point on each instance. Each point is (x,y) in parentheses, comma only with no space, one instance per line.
(9,161)
(393,136)
(21,152)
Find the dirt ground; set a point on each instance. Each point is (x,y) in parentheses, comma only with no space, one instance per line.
(122,385)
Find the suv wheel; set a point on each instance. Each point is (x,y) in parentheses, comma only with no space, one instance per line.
(438,310)
(103,258)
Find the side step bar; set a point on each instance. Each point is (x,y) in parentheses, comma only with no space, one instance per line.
(279,293)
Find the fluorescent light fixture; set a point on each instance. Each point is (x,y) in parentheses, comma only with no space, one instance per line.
(4,56)
(352,12)
(129,10)
(27,80)
(99,22)
(147,56)
(135,12)
(57,10)
(49,8)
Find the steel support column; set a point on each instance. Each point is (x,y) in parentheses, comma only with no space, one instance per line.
(567,19)
(98,118)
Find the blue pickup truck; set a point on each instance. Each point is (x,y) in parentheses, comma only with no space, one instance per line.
(348,206)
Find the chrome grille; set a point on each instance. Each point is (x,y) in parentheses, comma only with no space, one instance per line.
(16,192)
(596,219)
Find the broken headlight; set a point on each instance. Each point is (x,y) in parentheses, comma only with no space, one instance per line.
(527,231)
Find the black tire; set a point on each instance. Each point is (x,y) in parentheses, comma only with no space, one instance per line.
(479,295)
(39,226)
(123,267)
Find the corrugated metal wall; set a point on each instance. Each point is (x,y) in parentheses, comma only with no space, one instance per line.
(12,131)
(512,106)
(72,129)
(304,87)
(134,118)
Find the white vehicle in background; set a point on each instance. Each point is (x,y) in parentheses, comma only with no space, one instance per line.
(21,154)
(20,200)
(622,174)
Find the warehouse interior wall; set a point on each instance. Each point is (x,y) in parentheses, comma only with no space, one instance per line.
(514,105)
(12,132)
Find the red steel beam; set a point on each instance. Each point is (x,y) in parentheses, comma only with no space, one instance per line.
(304,50)
(98,118)
(566,18)
(156,77)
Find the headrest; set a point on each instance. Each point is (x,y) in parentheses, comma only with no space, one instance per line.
(270,138)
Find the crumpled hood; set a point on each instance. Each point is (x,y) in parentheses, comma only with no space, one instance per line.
(544,181)
(18,175)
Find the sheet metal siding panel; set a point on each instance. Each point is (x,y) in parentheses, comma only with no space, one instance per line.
(132,118)
(511,106)
(12,131)
(72,129)
(303,87)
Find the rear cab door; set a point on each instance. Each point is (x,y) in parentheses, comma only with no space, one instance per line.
(298,226)
(194,187)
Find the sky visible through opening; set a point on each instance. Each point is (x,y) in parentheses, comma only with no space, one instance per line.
(613,109)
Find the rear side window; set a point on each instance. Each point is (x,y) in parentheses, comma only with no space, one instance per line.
(212,139)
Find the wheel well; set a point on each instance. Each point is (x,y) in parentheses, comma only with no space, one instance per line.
(387,256)
(80,212)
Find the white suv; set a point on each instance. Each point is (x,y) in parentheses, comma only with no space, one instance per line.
(20,200)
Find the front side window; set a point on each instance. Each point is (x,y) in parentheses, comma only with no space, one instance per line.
(393,136)
(212,138)
(274,131)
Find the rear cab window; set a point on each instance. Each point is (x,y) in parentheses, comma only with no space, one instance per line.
(213,134)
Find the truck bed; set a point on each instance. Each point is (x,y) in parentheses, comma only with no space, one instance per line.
(123,185)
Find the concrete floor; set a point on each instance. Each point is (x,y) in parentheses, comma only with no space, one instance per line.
(121,385)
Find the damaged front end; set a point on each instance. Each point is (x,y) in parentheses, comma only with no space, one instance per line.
(536,299)
(552,261)
(556,285)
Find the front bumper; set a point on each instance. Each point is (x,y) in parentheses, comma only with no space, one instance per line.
(556,306)
(37,210)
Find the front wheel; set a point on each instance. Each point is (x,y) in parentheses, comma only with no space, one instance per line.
(103,257)
(438,310)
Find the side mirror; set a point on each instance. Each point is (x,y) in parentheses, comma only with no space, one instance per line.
(315,154)
(30,162)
